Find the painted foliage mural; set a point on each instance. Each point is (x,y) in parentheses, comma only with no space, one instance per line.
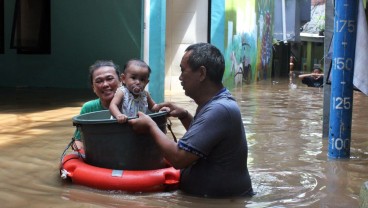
(265,37)
(248,42)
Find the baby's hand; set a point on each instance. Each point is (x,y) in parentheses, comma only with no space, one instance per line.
(167,109)
(156,108)
(122,118)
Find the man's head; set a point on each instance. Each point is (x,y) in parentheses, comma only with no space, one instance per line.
(208,56)
(317,70)
(202,65)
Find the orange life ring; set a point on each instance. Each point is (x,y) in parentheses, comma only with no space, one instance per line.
(74,167)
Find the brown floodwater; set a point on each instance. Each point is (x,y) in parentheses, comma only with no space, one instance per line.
(287,160)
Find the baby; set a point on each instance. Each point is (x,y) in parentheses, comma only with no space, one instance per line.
(132,97)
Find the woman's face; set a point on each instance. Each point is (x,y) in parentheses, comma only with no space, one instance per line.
(105,82)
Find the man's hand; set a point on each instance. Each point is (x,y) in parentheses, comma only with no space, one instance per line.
(142,124)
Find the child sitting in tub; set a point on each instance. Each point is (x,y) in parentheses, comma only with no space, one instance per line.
(132,97)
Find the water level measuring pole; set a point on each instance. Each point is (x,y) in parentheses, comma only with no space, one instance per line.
(341,104)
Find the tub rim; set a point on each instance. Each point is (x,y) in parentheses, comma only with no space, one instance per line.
(78,121)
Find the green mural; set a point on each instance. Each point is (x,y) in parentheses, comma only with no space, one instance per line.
(248,41)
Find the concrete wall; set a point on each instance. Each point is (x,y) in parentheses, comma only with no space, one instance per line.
(82,31)
(186,23)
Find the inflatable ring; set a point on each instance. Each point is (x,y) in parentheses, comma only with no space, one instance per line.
(74,167)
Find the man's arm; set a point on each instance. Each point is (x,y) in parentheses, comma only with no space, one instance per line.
(177,157)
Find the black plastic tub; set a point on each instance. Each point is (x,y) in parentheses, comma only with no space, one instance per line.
(112,145)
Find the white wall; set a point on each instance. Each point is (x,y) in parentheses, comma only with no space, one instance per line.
(186,23)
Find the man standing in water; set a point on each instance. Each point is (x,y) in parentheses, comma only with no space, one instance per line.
(212,154)
(315,79)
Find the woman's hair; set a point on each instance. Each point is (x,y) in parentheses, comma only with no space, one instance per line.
(101,63)
(137,62)
(207,55)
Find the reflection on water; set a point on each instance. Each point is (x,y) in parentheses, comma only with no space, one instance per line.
(287,156)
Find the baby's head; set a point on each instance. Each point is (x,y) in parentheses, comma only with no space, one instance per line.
(135,75)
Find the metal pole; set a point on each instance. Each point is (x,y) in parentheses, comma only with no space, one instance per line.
(284,21)
(341,105)
(146,30)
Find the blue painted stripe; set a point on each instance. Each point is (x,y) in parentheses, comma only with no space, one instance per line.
(157,40)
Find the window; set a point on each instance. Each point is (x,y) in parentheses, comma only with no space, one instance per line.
(31,33)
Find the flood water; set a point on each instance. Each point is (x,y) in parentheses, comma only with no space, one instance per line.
(288,160)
